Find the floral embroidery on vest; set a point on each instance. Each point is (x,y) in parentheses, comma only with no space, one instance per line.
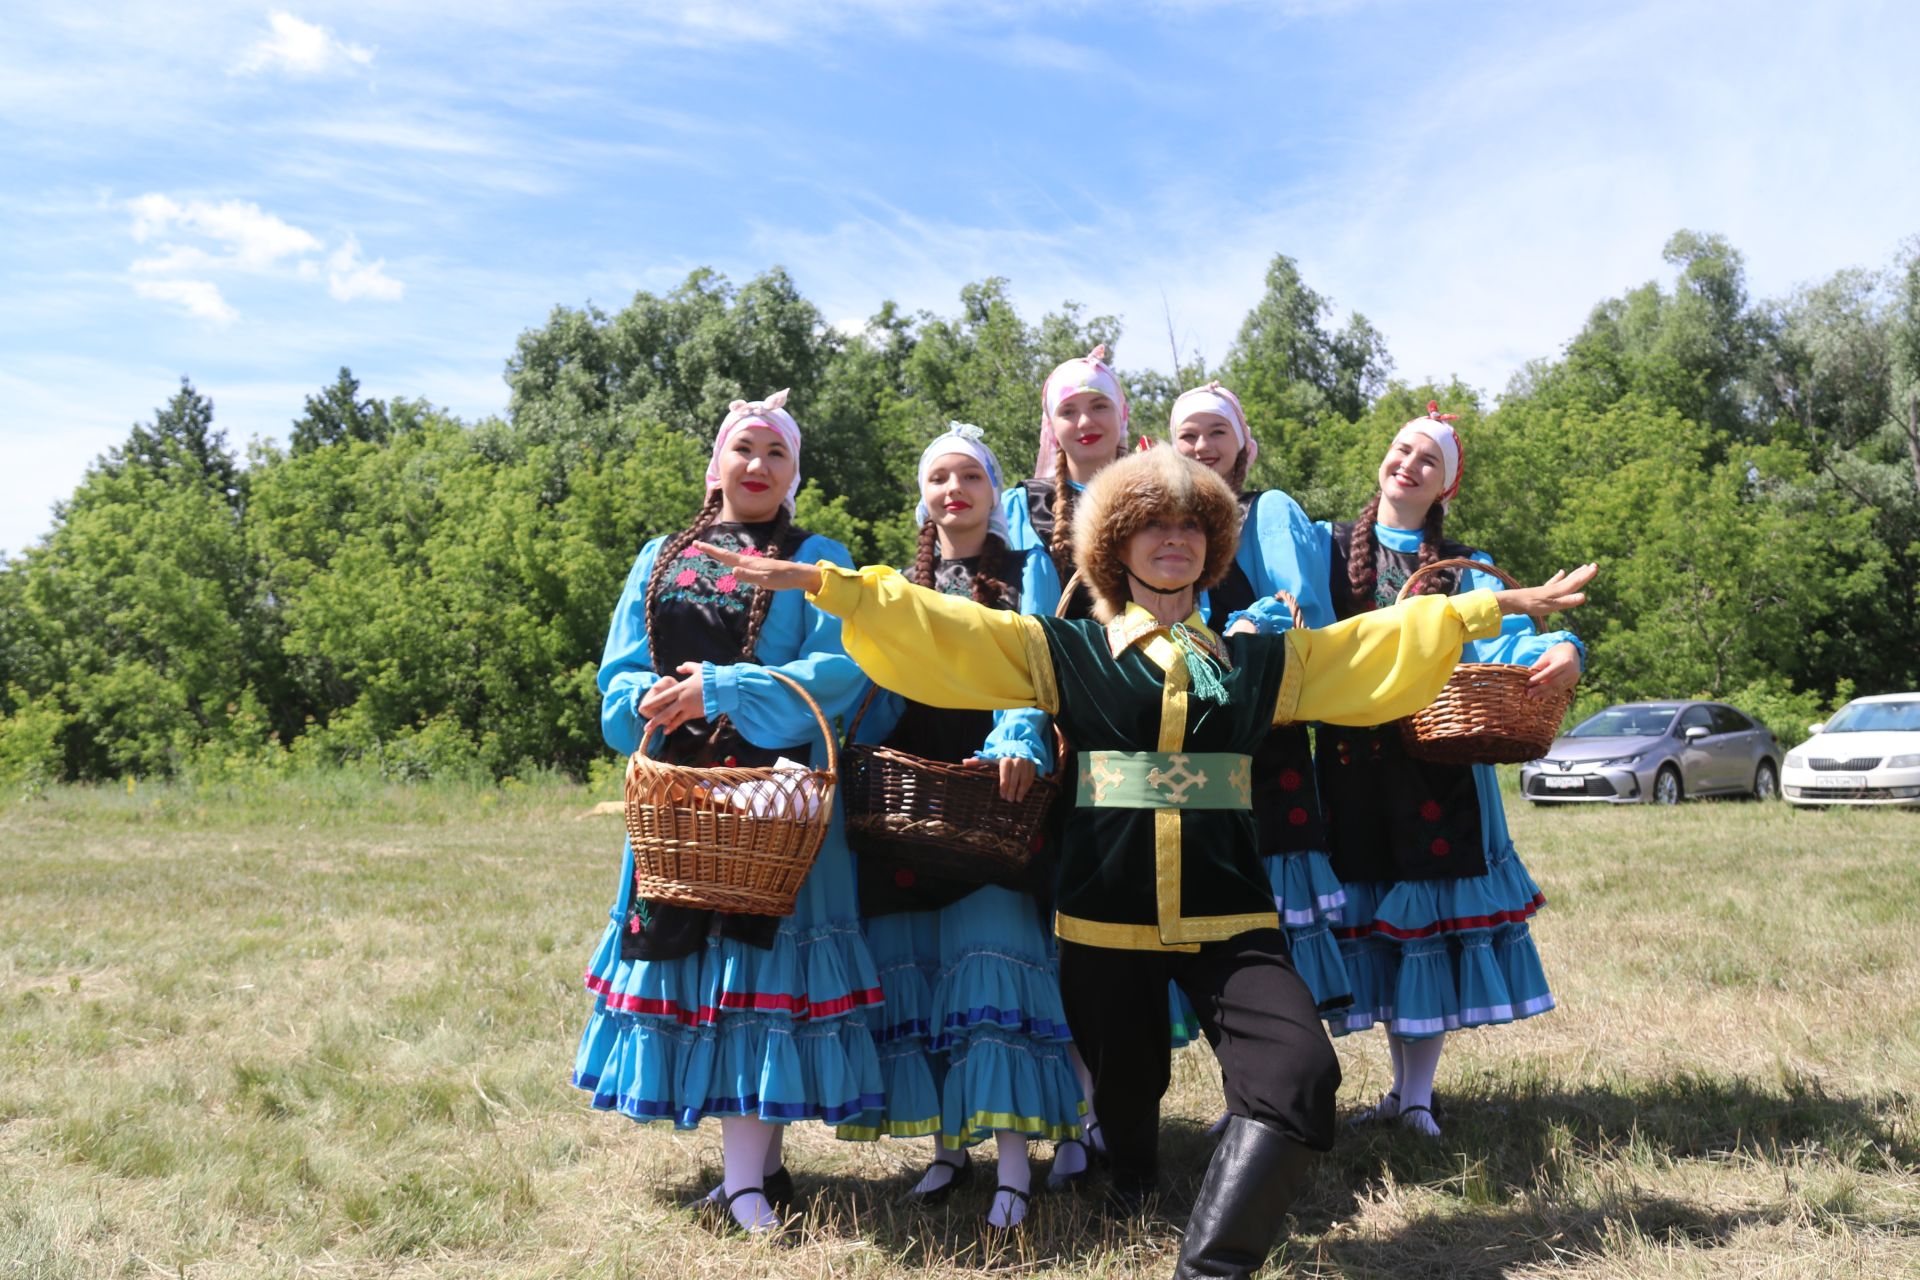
(701,579)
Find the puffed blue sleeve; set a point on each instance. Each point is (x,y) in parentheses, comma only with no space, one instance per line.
(1268,615)
(1027,732)
(626,666)
(1282,550)
(802,643)
(1020,531)
(1517,642)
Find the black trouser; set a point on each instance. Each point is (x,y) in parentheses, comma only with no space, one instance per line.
(1276,1063)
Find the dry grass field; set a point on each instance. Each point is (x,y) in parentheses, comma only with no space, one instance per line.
(324,1030)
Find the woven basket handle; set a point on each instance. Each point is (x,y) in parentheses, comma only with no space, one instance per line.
(1066,595)
(826,730)
(861,714)
(1286,598)
(1461,562)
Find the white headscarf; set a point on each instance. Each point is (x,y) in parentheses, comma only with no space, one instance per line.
(1214,398)
(965,438)
(1438,427)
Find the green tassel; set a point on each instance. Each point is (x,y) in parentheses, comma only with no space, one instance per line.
(1202,670)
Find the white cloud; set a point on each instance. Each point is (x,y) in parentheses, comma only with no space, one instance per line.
(245,240)
(349,279)
(198,298)
(302,49)
(257,240)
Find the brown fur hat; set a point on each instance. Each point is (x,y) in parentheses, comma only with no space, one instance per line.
(1124,497)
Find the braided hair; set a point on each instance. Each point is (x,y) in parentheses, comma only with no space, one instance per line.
(989,585)
(1237,478)
(1060,546)
(703,522)
(1363,568)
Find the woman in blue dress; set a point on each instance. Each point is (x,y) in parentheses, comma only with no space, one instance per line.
(1434,933)
(757,1020)
(1084,428)
(974,1042)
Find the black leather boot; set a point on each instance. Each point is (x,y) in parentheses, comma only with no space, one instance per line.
(1242,1206)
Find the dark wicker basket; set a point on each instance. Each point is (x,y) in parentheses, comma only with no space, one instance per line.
(938,819)
(696,844)
(1484,715)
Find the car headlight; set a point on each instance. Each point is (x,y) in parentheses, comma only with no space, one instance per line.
(1620,762)
(1903,762)
(1795,760)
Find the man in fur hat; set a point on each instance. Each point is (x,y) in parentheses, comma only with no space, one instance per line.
(1160,878)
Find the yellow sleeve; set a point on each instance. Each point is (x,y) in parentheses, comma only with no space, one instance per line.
(938,649)
(1379,666)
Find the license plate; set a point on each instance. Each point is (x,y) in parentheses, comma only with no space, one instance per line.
(1842,782)
(1565,784)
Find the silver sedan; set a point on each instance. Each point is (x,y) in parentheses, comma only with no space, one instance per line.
(1658,752)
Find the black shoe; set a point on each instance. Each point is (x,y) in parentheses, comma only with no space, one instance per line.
(727,1222)
(777,1186)
(962,1175)
(1026,1202)
(1242,1206)
(1059,1181)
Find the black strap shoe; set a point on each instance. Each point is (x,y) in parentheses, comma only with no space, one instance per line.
(962,1175)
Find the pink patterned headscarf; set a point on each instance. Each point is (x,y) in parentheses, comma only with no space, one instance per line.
(1214,398)
(1438,427)
(1071,378)
(770,413)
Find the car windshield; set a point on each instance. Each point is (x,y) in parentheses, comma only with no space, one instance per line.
(1625,722)
(1877,717)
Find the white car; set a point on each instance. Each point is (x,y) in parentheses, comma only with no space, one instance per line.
(1869,753)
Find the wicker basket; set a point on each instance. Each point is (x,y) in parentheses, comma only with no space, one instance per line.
(939,819)
(728,839)
(1484,715)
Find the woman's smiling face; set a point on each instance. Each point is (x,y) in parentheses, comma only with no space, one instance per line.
(1167,554)
(756,470)
(1414,472)
(1209,439)
(1087,425)
(959,493)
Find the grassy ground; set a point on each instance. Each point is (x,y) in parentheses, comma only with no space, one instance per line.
(324,1030)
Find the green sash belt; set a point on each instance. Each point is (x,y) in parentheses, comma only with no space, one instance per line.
(1165,780)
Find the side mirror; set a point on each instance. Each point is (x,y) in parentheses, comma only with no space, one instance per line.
(1818,726)
(1695,732)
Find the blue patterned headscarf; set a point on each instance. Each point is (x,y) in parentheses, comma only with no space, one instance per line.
(964,437)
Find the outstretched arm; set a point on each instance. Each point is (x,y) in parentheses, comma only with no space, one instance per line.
(1389,663)
(942,650)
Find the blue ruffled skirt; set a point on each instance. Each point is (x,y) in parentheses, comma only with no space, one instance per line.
(780,1033)
(1425,957)
(975,1037)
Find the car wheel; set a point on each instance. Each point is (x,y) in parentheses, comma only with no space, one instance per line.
(1666,786)
(1766,782)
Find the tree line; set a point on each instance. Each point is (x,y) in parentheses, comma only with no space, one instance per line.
(401,590)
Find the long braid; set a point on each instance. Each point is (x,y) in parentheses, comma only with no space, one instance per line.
(763,598)
(1237,478)
(989,581)
(663,563)
(1430,534)
(1362,570)
(1060,546)
(923,561)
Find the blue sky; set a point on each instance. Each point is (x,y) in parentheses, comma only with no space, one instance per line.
(253,195)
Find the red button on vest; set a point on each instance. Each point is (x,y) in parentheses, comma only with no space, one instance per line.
(1432,811)
(1440,848)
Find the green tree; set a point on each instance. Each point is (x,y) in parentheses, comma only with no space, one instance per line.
(338,414)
